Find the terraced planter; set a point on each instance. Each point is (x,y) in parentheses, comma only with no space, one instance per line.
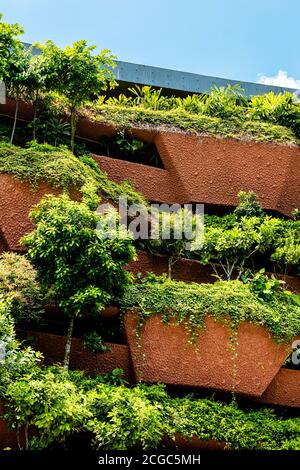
(163,353)
(53,348)
(283,390)
(16,200)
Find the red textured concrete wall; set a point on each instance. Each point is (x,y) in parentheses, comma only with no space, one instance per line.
(16,200)
(53,347)
(213,170)
(163,353)
(284,389)
(154,183)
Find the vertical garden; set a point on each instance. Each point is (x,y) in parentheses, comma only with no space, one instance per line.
(78,304)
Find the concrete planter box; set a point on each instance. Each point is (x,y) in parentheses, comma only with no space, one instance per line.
(184,444)
(284,389)
(16,201)
(53,348)
(162,353)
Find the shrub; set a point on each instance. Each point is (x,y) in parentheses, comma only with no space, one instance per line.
(248,206)
(280,109)
(19,285)
(48,402)
(94,343)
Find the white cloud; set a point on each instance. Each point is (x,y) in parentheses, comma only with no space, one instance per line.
(280,79)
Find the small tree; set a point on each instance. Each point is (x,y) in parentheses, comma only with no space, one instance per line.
(84,270)
(17,78)
(76,74)
(35,86)
(287,246)
(175,236)
(248,206)
(8,44)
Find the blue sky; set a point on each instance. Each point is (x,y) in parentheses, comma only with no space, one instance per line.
(239,39)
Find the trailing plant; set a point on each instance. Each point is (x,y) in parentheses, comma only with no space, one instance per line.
(77,258)
(19,285)
(230,302)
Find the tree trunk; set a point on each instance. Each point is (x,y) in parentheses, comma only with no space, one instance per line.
(35,104)
(69,344)
(15,120)
(73,128)
(170,264)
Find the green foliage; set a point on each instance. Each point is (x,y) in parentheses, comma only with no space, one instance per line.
(225,102)
(18,284)
(230,248)
(248,205)
(41,162)
(267,288)
(59,404)
(149,97)
(192,104)
(228,301)
(223,112)
(174,234)
(49,402)
(82,267)
(125,419)
(76,74)
(94,343)
(280,109)
(9,43)
(61,169)
(15,361)
(253,430)
(287,246)
(128,145)
(231,242)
